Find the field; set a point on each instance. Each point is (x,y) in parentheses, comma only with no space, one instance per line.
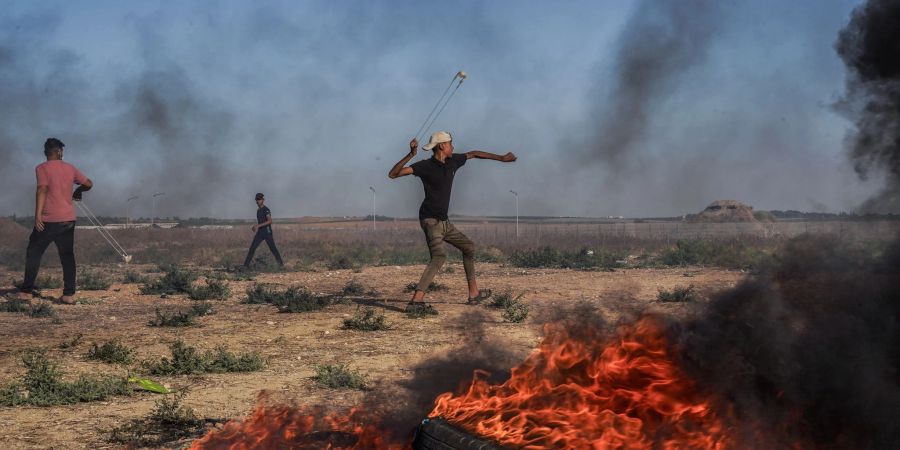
(348,269)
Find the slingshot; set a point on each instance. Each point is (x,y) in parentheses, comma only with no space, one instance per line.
(103,231)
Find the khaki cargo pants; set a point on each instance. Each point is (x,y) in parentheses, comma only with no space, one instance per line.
(436,233)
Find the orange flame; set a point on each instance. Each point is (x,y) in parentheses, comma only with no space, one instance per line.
(581,394)
(286,426)
(570,393)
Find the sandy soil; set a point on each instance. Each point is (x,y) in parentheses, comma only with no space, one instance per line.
(295,343)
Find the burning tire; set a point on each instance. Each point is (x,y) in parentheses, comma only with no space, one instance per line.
(438,434)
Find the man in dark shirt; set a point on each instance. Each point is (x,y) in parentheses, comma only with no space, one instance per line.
(263,229)
(437,175)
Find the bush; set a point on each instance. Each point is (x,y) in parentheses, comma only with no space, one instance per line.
(353,288)
(420,310)
(732,254)
(133,277)
(291,300)
(295,300)
(48,282)
(41,309)
(214,289)
(367,320)
(339,376)
(432,287)
(503,300)
(174,280)
(112,352)
(547,257)
(188,361)
(43,385)
(93,281)
(516,312)
(183,318)
(32,309)
(169,421)
(341,263)
(677,295)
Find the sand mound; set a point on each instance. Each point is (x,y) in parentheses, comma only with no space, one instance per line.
(726,211)
(12,232)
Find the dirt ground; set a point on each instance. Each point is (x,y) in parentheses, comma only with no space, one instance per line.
(294,343)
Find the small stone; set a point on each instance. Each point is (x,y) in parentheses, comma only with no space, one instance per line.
(269,322)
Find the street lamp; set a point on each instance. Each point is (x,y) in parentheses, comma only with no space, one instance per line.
(373,207)
(517,211)
(128,208)
(153,216)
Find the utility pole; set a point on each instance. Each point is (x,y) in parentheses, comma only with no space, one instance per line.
(517,211)
(128,209)
(373,207)
(153,216)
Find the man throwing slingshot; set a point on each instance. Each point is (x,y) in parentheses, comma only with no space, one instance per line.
(437,175)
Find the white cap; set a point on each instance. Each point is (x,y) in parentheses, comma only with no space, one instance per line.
(437,138)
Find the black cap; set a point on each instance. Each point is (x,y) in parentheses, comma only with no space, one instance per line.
(260,196)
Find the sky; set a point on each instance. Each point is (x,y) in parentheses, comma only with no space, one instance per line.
(634,108)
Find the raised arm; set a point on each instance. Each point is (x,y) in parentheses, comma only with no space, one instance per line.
(400,169)
(508,157)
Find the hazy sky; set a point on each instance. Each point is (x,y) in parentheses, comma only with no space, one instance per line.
(635,108)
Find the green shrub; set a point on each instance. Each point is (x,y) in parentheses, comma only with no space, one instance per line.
(133,277)
(41,309)
(292,300)
(48,282)
(71,343)
(187,360)
(214,289)
(169,421)
(503,300)
(32,309)
(112,352)
(295,300)
(353,288)
(15,305)
(677,295)
(432,287)
(339,376)
(43,385)
(515,312)
(182,318)
(420,310)
(548,257)
(175,280)
(93,281)
(367,320)
(341,263)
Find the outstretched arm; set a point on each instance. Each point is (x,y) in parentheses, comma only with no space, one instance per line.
(400,169)
(509,157)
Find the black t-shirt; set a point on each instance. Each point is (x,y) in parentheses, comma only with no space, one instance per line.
(262,215)
(437,178)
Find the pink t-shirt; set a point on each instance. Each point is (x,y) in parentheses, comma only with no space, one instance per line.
(58,176)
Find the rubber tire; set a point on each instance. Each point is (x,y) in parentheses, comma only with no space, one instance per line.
(438,434)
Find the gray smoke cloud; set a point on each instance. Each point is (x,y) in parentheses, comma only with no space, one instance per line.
(312,104)
(870,47)
(659,44)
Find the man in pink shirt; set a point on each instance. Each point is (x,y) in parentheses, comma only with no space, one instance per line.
(54,218)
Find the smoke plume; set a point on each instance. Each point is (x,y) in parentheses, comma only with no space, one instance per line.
(870,48)
(662,40)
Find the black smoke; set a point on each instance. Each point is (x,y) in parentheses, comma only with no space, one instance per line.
(870,48)
(658,45)
(808,351)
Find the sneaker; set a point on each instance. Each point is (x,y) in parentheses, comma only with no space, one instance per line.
(67,300)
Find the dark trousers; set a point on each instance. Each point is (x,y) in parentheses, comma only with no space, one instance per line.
(63,235)
(263,235)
